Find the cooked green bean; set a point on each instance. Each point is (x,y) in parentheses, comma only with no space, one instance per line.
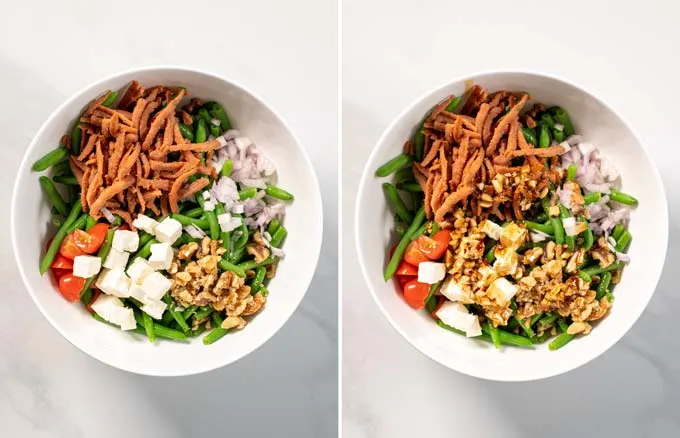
(149,327)
(242,238)
(219,112)
(505,337)
(167,333)
(57,221)
(453,104)
(76,137)
(391,267)
(413,187)
(278,236)
(90,222)
(63,179)
(547,320)
(419,143)
(256,284)
(53,195)
(278,193)
(110,98)
(597,270)
(62,168)
(618,231)
(562,117)
(215,130)
(560,341)
(186,220)
(188,312)
(194,213)
(623,241)
(588,236)
(585,276)
(79,224)
(397,163)
(227,167)
(50,159)
(202,313)
(591,198)
(252,264)
(144,251)
(213,225)
(227,266)
(168,320)
(217,333)
(404,175)
(186,132)
(546,119)
(569,240)
(225,236)
(51,252)
(247,193)
(544,139)
(622,198)
(525,327)
(203,114)
(543,228)
(397,203)
(201,134)
(571,172)
(273,226)
(492,331)
(430,300)
(530,136)
(558,135)
(420,231)
(534,319)
(176,315)
(558,229)
(541,218)
(400,228)
(603,287)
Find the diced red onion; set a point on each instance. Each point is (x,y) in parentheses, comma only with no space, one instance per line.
(222,141)
(228,223)
(538,236)
(622,257)
(194,231)
(565,197)
(569,224)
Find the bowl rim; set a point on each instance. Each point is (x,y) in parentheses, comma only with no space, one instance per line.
(93,86)
(367,175)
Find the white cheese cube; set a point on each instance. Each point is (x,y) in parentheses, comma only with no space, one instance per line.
(506,262)
(513,236)
(138,270)
(116,259)
(431,272)
(457,316)
(491,229)
(137,292)
(85,266)
(501,290)
(155,309)
(161,256)
(155,285)
(112,310)
(114,282)
(144,222)
(125,240)
(452,290)
(168,230)
(569,224)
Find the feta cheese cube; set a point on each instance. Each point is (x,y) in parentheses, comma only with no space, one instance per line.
(431,272)
(501,290)
(506,262)
(161,256)
(112,310)
(137,292)
(155,309)
(491,229)
(116,259)
(144,222)
(168,230)
(138,270)
(125,240)
(513,236)
(452,290)
(457,316)
(155,285)
(85,266)
(114,282)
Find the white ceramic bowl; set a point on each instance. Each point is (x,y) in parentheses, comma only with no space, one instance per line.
(254,118)
(649,227)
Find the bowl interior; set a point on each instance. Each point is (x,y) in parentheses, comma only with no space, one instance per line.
(649,227)
(30,213)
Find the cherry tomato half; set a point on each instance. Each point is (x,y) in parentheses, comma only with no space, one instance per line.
(61,262)
(413,254)
(98,233)
(70,287)
(434,247)
(406,269)
(68,247)
(415,293)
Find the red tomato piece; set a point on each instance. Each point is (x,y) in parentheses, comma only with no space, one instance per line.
(414,255)
(434,247)
(69,249)
(406,269)
(70,287)
(61,262)
(415,293)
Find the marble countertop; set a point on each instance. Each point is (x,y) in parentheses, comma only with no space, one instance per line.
(288,387)
(394,51)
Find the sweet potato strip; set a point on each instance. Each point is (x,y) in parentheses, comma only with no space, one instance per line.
(161,118)
(194,147)
(451,200)
(110,192)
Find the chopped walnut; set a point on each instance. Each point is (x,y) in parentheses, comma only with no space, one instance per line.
(258,249)
(602,253)
(579,327)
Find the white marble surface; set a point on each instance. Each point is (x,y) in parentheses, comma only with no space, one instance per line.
(623,51)
(49,50)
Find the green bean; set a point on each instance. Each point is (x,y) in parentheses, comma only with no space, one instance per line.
(546,119)
(188,312)
(167,318)
(273,226)
(79,224)
(618,231)
(194,213)
(530,136)
(395,200)
(585,276)
(508,338)
(90,222)
(430,300)
(395,164)
(176,315)
(144,251)
(419,143)
(225,236)
(86,291)
(597,270)
(242,240)
(203,114)
(543,228)
(588,236)
(562,117)
(544,139)
(534,319)
(278,193)
(50,159)
(541,218)
(62,168)
(409,187)
(53,195)
(434,228)
(571,172)
(603,287)
(511,325)
(218,111)
(215,130)
(247,193)
(201,134)
(391,267)
(547,320)
(168,333)
(560,341)
(623,241)
(558,135)
(453,104)
(556,222)
(202,313)
(218,333)
(213,225)
(400,229)
(199,331)
(76,137)
(51,252)
(57,221)
(252,264)
(569,240)
(68,180)
(236,269)
(227,167)
(186,220)
(236,255)
(186,132)
(149,327)
(622,198)
(591,198)
(492,331)
(525,327)
(110,98)
(404,175)
(257,281)
(278,236)
(490,254)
